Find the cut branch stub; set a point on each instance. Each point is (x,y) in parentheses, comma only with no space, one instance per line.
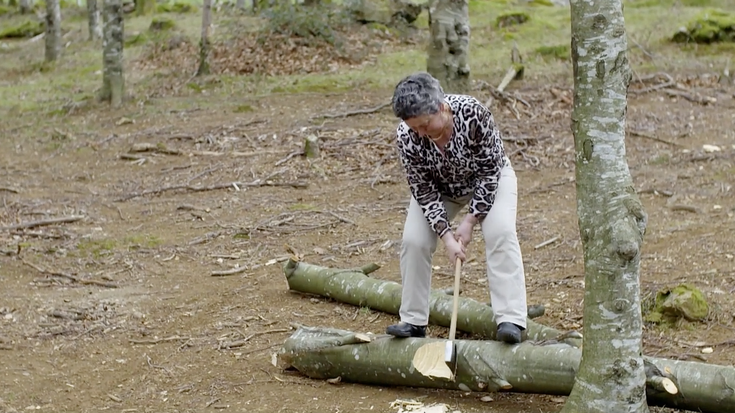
(311,146)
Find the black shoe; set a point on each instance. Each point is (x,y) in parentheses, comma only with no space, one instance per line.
(406,330)
(509,333)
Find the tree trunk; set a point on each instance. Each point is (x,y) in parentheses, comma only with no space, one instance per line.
(204,45)
(491,366)
(93,18)
(353,286)
(53,30)
(145,7)
(26,6)
(448,54)
(611,218)
(113,81)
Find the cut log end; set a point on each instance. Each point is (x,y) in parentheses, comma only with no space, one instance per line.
(429,361)
(669,386)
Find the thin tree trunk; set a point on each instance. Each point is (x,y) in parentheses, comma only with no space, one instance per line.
(353,286)
(611,218)
(204,45)
(93,18)
(26,6)
(491,366)
(53,30)
(113,80)
(145,7)
(448,52)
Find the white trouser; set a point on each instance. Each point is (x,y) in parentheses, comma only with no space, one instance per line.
(505,273)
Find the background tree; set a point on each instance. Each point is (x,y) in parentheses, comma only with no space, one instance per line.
(53,30)
(93,16)
(113,81)
(612,221)
(26,6)
(448,51)
(204,44)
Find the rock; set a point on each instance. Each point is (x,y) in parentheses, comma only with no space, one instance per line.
(160,24)
(512,18)
(710,26)
(387,12)
(27,28)
(683,301)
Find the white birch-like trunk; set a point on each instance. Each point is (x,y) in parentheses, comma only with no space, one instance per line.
(26,6)
(53,30)
(113,81)
(93,19)
(448,51)
(612,221)
(204,44)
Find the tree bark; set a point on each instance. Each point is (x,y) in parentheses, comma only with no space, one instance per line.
(145,7)
(353,286)
(491,366)
(53,30)
(611,218)
(113,81)
(93,19)
(204,45)
(26,6)
(448,51)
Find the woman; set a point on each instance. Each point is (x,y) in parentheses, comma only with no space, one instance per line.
(453,155)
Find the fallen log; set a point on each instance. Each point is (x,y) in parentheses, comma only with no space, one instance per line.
(353,286)
(491,366)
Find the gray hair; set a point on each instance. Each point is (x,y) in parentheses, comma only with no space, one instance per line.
(416,95)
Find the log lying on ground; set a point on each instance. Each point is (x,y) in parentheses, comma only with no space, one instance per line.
(353,286)
(491,366)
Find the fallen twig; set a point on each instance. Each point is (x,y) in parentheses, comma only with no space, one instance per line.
(158,340)
(203,188)
(162,149)
(231,271)
(8,189)
(705,100)
(70,277)
(289,156)
(355,112)
(651,137)
(240,343)
(44,222)
(547,242)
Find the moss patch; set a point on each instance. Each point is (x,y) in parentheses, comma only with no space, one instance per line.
(27,28)
(161,24)
(710,26)
(683,301)
(512,19)
(176,7)
(561,52)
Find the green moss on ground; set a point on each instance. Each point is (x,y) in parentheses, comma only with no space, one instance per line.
(513,18)
(26,28)
(711,26)
(684,301)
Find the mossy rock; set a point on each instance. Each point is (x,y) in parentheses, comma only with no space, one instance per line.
(684,301)
(176,7)
(711,26)
(135,39)
(5,10)
(561,52)
(161,24)
(513,18)
(27,28)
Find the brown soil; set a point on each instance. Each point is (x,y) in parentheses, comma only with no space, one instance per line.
(71,347)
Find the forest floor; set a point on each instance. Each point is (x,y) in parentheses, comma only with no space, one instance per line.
(116,308)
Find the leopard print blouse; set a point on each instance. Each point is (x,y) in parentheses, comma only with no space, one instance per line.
(470,164)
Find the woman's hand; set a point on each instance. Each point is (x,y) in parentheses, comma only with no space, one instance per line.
(454,248)
(464,231)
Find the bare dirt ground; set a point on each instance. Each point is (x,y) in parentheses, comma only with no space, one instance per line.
(118,311)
